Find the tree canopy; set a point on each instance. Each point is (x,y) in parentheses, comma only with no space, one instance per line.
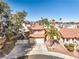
(19,17)
(44,22)
(10,22)
(4,8)
(53,32)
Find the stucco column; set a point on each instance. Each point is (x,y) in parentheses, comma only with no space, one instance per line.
(65,41)
(70,41)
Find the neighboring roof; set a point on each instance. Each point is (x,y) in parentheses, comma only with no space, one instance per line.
(37,36)
(77,24)
(38,28)
(69,32)
(60,49)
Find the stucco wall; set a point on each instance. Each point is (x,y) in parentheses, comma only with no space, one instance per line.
(39,40)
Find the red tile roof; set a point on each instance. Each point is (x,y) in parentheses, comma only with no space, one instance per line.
(60,49)
(38,28)
(37,36)
(69,32)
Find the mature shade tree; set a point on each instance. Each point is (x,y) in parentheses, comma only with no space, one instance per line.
(4,8)
(19,17)
(4,20)
(4,15)
(44,22)
(27,22)
(53,22)
(9,23)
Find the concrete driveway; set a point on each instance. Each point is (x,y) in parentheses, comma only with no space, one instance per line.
(18,51)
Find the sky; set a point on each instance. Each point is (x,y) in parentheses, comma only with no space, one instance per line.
(68,10)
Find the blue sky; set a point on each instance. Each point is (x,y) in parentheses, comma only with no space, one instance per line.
(66,9)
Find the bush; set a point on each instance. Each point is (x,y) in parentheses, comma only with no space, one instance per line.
(66,45)
(72,45)
(69,47)
(8,35)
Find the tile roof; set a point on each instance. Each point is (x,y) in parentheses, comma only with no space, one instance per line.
(38,28)
(69,32)
(37,36)
(60,49)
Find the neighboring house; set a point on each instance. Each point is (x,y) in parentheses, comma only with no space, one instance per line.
(69,26)
(37,34)
(70,35)
(66,25)
(77,25)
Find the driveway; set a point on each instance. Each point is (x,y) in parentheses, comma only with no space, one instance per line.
(18,51)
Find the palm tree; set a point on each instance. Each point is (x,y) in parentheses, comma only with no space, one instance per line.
(53,34)
(61,22)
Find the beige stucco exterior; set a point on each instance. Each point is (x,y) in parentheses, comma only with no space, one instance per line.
(39,40)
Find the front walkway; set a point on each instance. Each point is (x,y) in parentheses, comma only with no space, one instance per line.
(38,49)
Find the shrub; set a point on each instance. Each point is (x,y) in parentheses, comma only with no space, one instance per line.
(69,47)
(66,45)
(72,45)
